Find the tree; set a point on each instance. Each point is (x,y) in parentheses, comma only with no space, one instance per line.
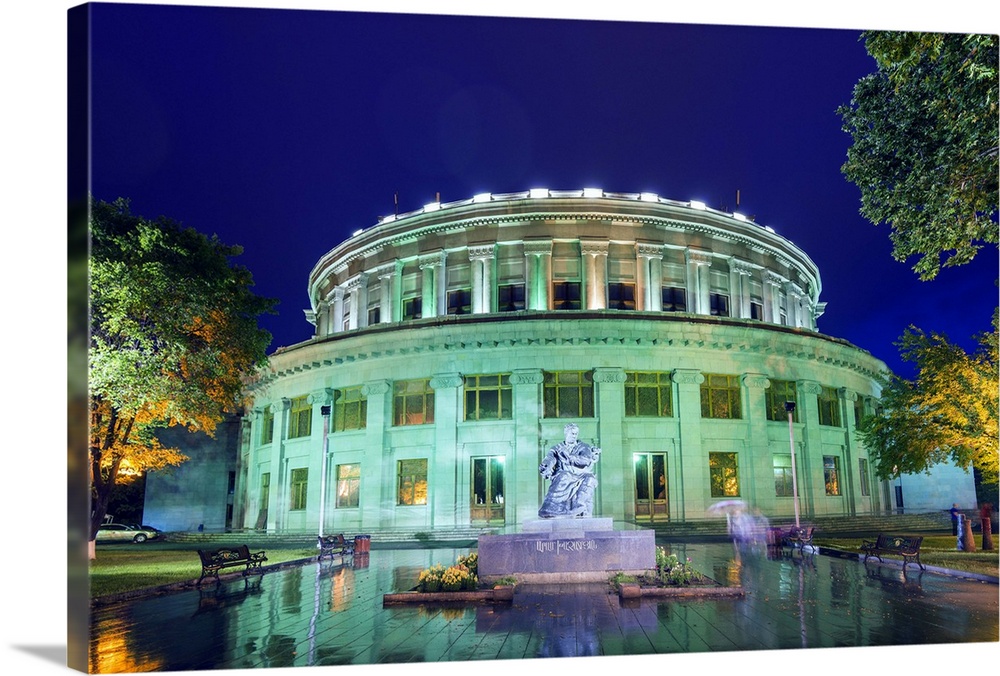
(948,412)
(173,334)
(924,151)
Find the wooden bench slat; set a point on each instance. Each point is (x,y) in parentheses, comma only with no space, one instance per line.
(332,545)
(214,560)
(907,547)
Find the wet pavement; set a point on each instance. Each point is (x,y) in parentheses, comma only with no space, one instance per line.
(331,613)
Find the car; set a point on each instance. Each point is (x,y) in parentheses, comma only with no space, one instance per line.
(119,532)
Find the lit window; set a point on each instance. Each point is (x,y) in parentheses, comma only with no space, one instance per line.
(783,475)
(488,397)
(411,482)
(724,475)
(299,486)
(648,395)
(829,407)
(720,397)
(300,418)
(831,474)
(348,485)
(568,394)
(350,409)
(775,397)
(413,402)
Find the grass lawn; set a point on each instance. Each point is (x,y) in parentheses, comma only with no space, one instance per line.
(124,568)
(935,550)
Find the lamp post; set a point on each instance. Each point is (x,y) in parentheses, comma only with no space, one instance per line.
(790,408)
(325,410)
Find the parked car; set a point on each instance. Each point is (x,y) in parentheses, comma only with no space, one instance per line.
(119,532)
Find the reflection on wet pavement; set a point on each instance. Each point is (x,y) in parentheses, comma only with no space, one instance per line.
(331,614)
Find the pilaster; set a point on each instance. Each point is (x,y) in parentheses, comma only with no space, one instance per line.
(526,495)
(690,464)
(595,265)
(538,273)
(378,471)
(759,464)
(649,269)
(809,450)
(444,465)
(616,490)
(481,259)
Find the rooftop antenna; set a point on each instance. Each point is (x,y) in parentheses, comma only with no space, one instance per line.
(737,198)
(395,203)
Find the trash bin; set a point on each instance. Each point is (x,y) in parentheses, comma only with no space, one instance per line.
(362,544)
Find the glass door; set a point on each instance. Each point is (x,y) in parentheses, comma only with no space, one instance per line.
(487,499)
(651,486)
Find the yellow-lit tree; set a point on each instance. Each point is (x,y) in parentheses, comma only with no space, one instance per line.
(173,333)
(947,413)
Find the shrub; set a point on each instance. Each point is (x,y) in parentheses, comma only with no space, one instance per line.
(671,570)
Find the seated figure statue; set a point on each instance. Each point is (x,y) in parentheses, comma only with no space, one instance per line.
(569,464)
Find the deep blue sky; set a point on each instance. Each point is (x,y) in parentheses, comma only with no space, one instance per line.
(285,130)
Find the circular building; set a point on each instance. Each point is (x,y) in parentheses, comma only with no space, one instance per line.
(454,343)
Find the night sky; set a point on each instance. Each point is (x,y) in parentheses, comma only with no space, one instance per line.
(284,131)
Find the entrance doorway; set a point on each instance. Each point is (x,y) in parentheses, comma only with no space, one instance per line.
(487,498)
(651,484)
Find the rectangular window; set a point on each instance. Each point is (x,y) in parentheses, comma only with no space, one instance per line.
(510,297)
(648,395)
(488,397)
(412,308)
(831,474)
(350,409)
(724,475)
(860,404)
(374,316)
(345,314)
(566,295)
(300,418)
(460,302)
(756,311)
(863,470)
(720,397)
(621,296)
(568,394)
(265,491)
(776,395)
(829,407)
(412,482)
(783,475)
(267,427)
(413,402)
(719,304)
(348,485)
(299,485)
(674,299)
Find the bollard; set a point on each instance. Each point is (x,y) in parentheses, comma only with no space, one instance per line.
(968,541)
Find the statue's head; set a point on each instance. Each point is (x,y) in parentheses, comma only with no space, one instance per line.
(571,431)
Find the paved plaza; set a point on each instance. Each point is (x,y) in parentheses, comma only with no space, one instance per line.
(331,613)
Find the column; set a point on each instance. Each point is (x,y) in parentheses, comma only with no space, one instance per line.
(378,471)
(428,285)
(772,297)
(524,489)
(387,276)
(793,298)
(758,467)
(739,284)
(689,466)
(698,282)
(481,259)
(277,508)
(615,488)
(538,273)
(444,465)
(851,487)
(354,289)
(649,269)
(595,260)
(338,309)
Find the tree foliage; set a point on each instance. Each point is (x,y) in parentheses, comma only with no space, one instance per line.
(948,412)
(924,151)
(173,333)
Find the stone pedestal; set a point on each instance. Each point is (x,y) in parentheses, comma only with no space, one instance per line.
(566,551)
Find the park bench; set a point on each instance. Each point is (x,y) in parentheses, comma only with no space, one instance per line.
(333,545)
(214,560)
(798,537)
(906,547)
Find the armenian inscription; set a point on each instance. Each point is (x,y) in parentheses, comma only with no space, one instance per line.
(565,546)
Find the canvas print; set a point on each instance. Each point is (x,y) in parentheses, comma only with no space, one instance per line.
(435,339)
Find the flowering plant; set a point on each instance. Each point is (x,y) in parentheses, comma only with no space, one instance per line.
(671,570)
(455,578)
(430,578)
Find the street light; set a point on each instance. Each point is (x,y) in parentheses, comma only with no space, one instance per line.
(325,410)
(790,408)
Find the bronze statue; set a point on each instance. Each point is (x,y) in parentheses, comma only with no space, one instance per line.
(569,464)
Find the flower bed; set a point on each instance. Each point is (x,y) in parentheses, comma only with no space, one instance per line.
(671,577)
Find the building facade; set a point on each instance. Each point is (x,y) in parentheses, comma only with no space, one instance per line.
(452,344)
